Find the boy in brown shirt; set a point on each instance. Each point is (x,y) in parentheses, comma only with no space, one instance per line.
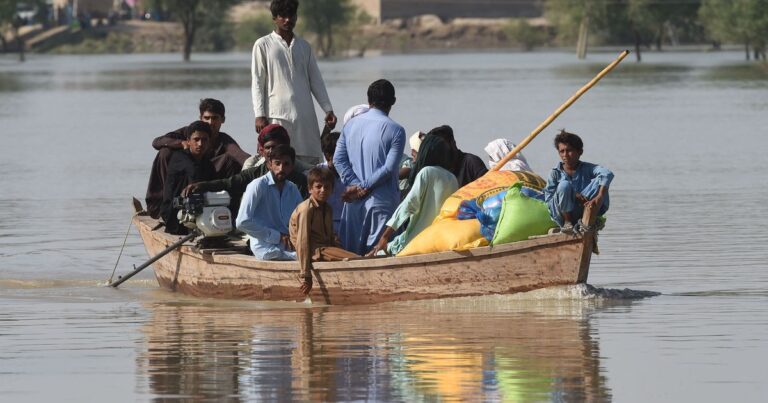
(311,227)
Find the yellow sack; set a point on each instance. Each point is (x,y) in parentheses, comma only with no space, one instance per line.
(446,234)
(491,183)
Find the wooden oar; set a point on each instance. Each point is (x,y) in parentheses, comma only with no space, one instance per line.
(560,110)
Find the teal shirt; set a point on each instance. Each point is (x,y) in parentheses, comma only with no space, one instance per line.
(422,204)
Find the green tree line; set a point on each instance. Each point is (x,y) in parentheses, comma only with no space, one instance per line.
(651,23)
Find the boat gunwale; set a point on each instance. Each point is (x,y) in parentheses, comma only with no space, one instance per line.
(250,262)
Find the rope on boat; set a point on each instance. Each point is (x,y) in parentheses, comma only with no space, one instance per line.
(125,240)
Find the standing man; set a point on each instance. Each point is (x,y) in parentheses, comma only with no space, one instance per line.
(368,159)
(284,77)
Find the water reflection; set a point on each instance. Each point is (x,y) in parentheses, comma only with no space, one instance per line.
(403,352)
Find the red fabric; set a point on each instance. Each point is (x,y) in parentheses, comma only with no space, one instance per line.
(268,129)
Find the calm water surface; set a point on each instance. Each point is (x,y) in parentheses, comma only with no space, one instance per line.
(684,133)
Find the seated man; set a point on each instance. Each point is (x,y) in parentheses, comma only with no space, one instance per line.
(269,137)
(328,142)
(311,227)
(574,184)
(226,155)
(267,206)
(187,165)
(467,167)
(432,183)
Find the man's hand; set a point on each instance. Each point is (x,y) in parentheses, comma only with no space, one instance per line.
(381,245)
(191,188)
(184,145)
(261,122)
(285,242)
(330,119)
(595,203)
(306,285)
(386,235)
(581,199)
(354,193)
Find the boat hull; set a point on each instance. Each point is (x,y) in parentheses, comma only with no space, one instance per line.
(521,266)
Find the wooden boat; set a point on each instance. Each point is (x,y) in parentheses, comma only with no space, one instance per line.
(550,260)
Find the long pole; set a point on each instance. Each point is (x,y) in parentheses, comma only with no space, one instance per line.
(169,249)
(560,110)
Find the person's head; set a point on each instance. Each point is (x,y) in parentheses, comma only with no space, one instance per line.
(270,136)
(356,110)
(446,133)
(328,142)
(498,150)
(212,112)
(198,136)
(570,147)
(415,141)
(433,151)
(320,183)
(284,14)
(381,95)
(280,161)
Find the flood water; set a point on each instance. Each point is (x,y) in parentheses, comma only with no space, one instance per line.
(675,310)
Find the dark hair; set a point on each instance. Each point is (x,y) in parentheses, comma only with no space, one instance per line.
(445,132)
(328,142)
(319,174)
(433,151)
(381,94)
(197,126)
(282,150)
(211,105)
(278,134)
(284,8)
(569,139)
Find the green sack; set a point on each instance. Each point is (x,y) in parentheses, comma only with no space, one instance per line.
(521,217)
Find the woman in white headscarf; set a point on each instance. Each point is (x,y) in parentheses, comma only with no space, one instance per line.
(354,111)
(498,149)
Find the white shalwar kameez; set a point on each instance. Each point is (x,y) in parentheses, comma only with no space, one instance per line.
(283,79)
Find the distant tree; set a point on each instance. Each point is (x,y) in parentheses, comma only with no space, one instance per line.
(9,20)
(325,18)
(651,21)
(741,21)
(192,14)
(577,19)
(251,28)
(524,34)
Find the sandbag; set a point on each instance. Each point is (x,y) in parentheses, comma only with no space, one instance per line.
(522,216)
(492,181)
(490,213)
(444,235)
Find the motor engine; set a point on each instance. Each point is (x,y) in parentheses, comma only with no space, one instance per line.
(208,212)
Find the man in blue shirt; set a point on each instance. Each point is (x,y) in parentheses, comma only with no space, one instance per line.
(266,207)
(574,184)
(368,160)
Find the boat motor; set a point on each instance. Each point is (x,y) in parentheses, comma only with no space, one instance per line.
(204,214)
(207,212)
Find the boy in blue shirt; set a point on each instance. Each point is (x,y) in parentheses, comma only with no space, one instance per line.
(266,207)
(574,184)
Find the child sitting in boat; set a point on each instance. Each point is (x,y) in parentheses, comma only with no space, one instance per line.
(431,183)
(267,205)
(328,142)
(190,164)
(311,227)
(574,184)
